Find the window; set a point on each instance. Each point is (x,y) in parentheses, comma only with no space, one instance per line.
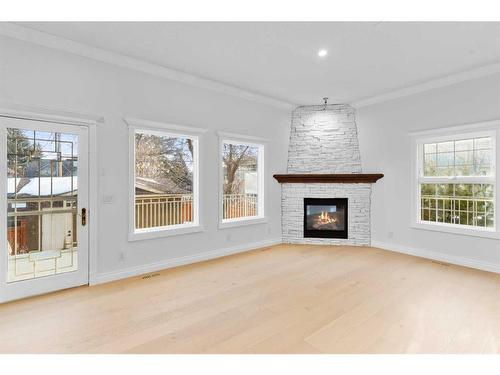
(242,192)
(457,181)
(165,183)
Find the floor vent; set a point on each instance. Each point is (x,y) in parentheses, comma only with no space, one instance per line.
(441,263)
(151,275)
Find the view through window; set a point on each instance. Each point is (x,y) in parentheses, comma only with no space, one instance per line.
(42,195)
(164,180)
(457,181)
(241,180)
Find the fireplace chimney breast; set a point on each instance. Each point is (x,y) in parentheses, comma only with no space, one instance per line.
(324,140)
(324,143)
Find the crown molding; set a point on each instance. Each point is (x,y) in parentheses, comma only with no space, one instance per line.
(448,80)
(62,44)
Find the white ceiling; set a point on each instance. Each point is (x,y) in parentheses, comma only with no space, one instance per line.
(280,60)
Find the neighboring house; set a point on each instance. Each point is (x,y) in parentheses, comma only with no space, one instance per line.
(245,181)
(146,186)
(48,230)
(43,187)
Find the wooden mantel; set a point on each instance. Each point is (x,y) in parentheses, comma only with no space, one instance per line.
(346,178)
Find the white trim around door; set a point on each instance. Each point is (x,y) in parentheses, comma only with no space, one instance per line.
(88,125)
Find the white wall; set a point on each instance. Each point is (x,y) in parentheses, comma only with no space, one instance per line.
(385,147)
(31,74)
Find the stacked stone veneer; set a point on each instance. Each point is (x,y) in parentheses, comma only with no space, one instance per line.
(325,141)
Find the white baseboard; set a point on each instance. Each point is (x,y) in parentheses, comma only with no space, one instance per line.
(435,255)
(180,261)
(200,257)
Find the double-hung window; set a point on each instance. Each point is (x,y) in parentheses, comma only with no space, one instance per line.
(456,181)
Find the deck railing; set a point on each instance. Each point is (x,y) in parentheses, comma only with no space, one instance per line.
(239,205)
(472,211)
(174,209)
(162,210)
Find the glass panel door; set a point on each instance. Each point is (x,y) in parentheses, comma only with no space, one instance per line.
(46,235)
(41,203)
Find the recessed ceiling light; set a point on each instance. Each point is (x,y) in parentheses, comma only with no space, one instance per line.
(322,52)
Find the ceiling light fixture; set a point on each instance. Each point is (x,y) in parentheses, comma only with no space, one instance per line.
(325,101)
(322,52)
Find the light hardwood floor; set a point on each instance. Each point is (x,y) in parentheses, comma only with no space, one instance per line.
(283,299)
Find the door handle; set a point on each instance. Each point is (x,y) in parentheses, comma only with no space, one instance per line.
(84,216)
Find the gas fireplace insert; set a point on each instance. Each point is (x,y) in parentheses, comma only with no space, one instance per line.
(325,217)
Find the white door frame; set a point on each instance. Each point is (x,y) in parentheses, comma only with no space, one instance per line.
(30,112)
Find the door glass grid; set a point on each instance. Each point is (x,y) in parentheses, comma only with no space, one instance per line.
(41,203)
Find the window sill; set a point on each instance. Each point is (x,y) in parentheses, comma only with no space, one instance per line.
(463,231)
(242,222)
(174,230)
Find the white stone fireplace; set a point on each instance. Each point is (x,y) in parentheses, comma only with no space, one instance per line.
(324,162)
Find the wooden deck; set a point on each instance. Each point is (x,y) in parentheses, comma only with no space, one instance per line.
(283,299)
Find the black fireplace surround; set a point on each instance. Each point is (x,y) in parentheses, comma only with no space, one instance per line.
(325,217)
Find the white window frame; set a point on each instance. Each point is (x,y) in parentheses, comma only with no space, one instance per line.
(169,130)
(486,129)
(261,144)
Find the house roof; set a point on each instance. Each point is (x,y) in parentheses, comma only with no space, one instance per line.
(159,186)
(64,185)
(43,185)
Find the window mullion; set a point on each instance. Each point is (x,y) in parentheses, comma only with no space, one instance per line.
(456,180)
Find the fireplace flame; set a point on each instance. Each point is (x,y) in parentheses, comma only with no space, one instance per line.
(325,218)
